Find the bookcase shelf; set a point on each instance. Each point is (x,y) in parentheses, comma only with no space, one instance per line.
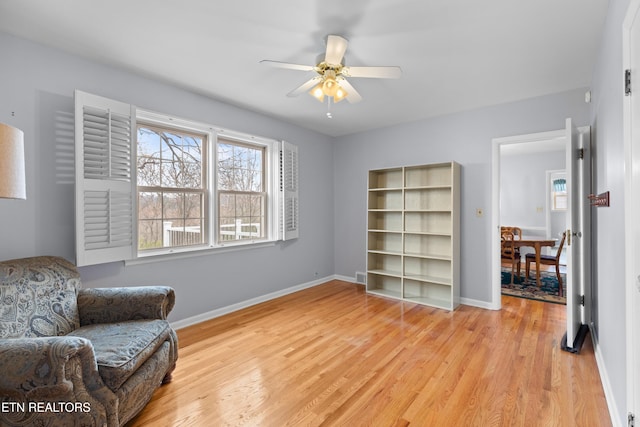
(385,221)
(413,225)
(432,294)
(385,242)
(428,199)
(385,199)
(387,178)
(389,286)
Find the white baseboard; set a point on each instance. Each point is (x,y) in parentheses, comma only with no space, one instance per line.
(477,303)
(183,323)
(346,279)
(465,301)
(179,324)
(606,384)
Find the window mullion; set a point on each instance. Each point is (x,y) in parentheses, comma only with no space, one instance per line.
(212,179)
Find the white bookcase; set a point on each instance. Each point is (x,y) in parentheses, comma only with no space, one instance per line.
(413,234)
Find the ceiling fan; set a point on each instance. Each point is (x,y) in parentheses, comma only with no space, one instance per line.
(331,80)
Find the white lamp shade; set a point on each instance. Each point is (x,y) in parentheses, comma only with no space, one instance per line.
(12,176)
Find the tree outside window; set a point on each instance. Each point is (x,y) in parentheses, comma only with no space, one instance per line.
(171,188)
(241,191)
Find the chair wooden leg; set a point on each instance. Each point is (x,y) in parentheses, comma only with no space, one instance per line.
(559,280)
(527,269)
(512,270)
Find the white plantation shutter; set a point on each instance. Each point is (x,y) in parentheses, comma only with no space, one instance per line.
(289,191)
(105,180)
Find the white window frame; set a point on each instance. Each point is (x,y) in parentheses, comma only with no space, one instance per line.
(272,149)
(267,185)
(559,199)
(281,186)
(144,117)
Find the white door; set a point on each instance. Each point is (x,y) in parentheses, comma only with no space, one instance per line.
(631,59)
(574,232)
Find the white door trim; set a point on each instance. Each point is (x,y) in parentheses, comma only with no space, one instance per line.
(631,209)
(496,299)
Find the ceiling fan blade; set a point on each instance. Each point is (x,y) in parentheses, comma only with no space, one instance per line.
(336,47)
(287,65)
(304,87)
(373,72)
(352,94)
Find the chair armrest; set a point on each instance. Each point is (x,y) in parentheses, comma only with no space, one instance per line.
(110,305)
(63,370)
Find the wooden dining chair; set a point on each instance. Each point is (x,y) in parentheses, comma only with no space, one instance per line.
(510,252)
(516,231)
(548,260)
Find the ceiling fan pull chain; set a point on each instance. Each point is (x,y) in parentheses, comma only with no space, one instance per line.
(329,116)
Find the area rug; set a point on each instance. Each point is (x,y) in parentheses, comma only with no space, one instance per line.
(548,291)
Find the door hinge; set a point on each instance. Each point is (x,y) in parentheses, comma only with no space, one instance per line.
(580,153)
(627,82)
(582,300)
(631,420)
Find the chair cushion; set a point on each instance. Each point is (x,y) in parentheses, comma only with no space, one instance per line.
(532,257)
(121,348)
(38,297)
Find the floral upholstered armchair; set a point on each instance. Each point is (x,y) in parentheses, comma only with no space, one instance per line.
(72,356)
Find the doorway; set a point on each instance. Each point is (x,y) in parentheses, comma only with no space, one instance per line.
(533,199)
(577,217)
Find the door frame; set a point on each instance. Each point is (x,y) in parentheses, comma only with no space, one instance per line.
(496,298)
(631,210)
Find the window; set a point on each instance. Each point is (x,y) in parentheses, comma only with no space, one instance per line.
(242,199)
(148,184)
(558,191)
(172,186)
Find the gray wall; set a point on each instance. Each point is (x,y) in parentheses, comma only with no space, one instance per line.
(609,233)
(36,95)
(36,87)
(465,138)
(523,190)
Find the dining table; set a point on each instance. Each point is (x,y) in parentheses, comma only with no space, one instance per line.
(536,242)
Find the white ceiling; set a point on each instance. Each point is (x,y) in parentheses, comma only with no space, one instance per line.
(455,55)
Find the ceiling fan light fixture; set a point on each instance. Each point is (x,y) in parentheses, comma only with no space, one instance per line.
(340,94)
(317,92)
(330,87)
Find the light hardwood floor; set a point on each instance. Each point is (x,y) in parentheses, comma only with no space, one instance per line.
(333,355)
